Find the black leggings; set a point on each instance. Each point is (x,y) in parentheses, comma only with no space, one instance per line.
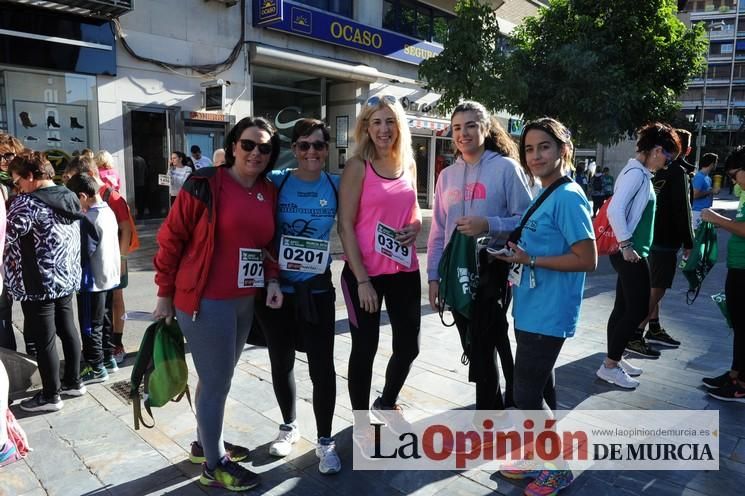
(734,289)
(402,293)
(484,369)
(282,329)
(48,319)
(632,303)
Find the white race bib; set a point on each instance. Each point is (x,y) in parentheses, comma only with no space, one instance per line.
(250,268)
(516,273)
(386,245)
(303,254)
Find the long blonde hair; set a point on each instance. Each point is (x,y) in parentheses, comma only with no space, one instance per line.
(365,148)
(104,160)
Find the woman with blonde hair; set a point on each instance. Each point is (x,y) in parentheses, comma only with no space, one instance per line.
(106,171)
(379,219)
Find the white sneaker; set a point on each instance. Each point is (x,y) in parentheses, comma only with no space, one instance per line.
(329,460)
(617,376)
(630,369)
(288,435)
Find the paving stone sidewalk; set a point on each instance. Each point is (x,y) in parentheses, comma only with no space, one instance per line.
(90,447)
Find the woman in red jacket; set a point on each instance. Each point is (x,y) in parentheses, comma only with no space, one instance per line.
(210,265)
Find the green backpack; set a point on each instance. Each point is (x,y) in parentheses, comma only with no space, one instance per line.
(459,275)
(160,367)
(702,258)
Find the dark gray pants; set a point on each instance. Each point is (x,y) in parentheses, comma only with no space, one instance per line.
(534,370)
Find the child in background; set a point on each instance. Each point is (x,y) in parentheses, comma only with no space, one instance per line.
(101,272)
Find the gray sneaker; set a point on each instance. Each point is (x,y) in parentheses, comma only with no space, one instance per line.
(617,376)
(329,462)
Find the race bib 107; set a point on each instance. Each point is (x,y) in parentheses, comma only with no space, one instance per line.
(250,268)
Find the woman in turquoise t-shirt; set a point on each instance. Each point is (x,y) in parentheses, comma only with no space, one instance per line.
(555,250)
(730,386)
(306,209)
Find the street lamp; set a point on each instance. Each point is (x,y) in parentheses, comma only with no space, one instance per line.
(714,26)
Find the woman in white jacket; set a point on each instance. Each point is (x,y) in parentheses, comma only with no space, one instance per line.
(631,215)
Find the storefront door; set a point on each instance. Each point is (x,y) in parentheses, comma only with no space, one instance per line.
(421,156)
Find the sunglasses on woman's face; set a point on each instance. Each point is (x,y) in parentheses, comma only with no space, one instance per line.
(305,145)
(375,100)
(248,145)
(7,156)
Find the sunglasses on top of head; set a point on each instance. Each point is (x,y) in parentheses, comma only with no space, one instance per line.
(375,100)
(305,145)
(248,145)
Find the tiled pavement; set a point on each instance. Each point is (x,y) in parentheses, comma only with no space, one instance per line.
(90,447)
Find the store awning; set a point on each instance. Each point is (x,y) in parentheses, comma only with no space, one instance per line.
(291,60)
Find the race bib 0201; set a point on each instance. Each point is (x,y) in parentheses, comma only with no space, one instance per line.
(250,268)
(303,254)
(386,245)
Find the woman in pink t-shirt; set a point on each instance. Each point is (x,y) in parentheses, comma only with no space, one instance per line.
(379,220)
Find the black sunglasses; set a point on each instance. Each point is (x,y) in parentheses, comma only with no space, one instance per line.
(248,145)
(375,100)
(8,156)
(317,145)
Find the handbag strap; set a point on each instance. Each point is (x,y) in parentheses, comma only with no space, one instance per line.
(517,233)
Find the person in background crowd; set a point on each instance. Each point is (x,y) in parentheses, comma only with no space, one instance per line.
(730,386)
(306,209)
(580,177)
(485,192)
(608,183)
(672,229)
(199,160)
(9,148)
(631,215)
(106,170)
(555,254)
(209,267)
(597,191)
(218,158)
(378,195)
(115,298)
(100,263)
(139,169)
(179,172)
(42,271)
(703,191)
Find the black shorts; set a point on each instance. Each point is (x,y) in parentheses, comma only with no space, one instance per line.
(662,265)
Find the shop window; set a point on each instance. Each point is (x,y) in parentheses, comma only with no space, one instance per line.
(341,7)
(416,20)
(54,113)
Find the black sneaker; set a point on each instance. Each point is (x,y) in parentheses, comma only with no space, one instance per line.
(229,475)
(232,451)
(718,381)
(730,392)
(641,348)
(38,403)
(78,389)
(660,336)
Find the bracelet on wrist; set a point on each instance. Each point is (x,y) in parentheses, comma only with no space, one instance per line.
(532,263)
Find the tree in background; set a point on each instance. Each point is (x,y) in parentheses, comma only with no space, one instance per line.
(471,59)
(603,67)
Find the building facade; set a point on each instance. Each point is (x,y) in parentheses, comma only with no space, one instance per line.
(146,78)
(716,99)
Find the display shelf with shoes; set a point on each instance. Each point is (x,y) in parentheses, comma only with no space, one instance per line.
(26,120)
(74,124)
(52,122)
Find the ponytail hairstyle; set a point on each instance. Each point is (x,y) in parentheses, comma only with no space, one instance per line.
(496,138)
(558,132)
